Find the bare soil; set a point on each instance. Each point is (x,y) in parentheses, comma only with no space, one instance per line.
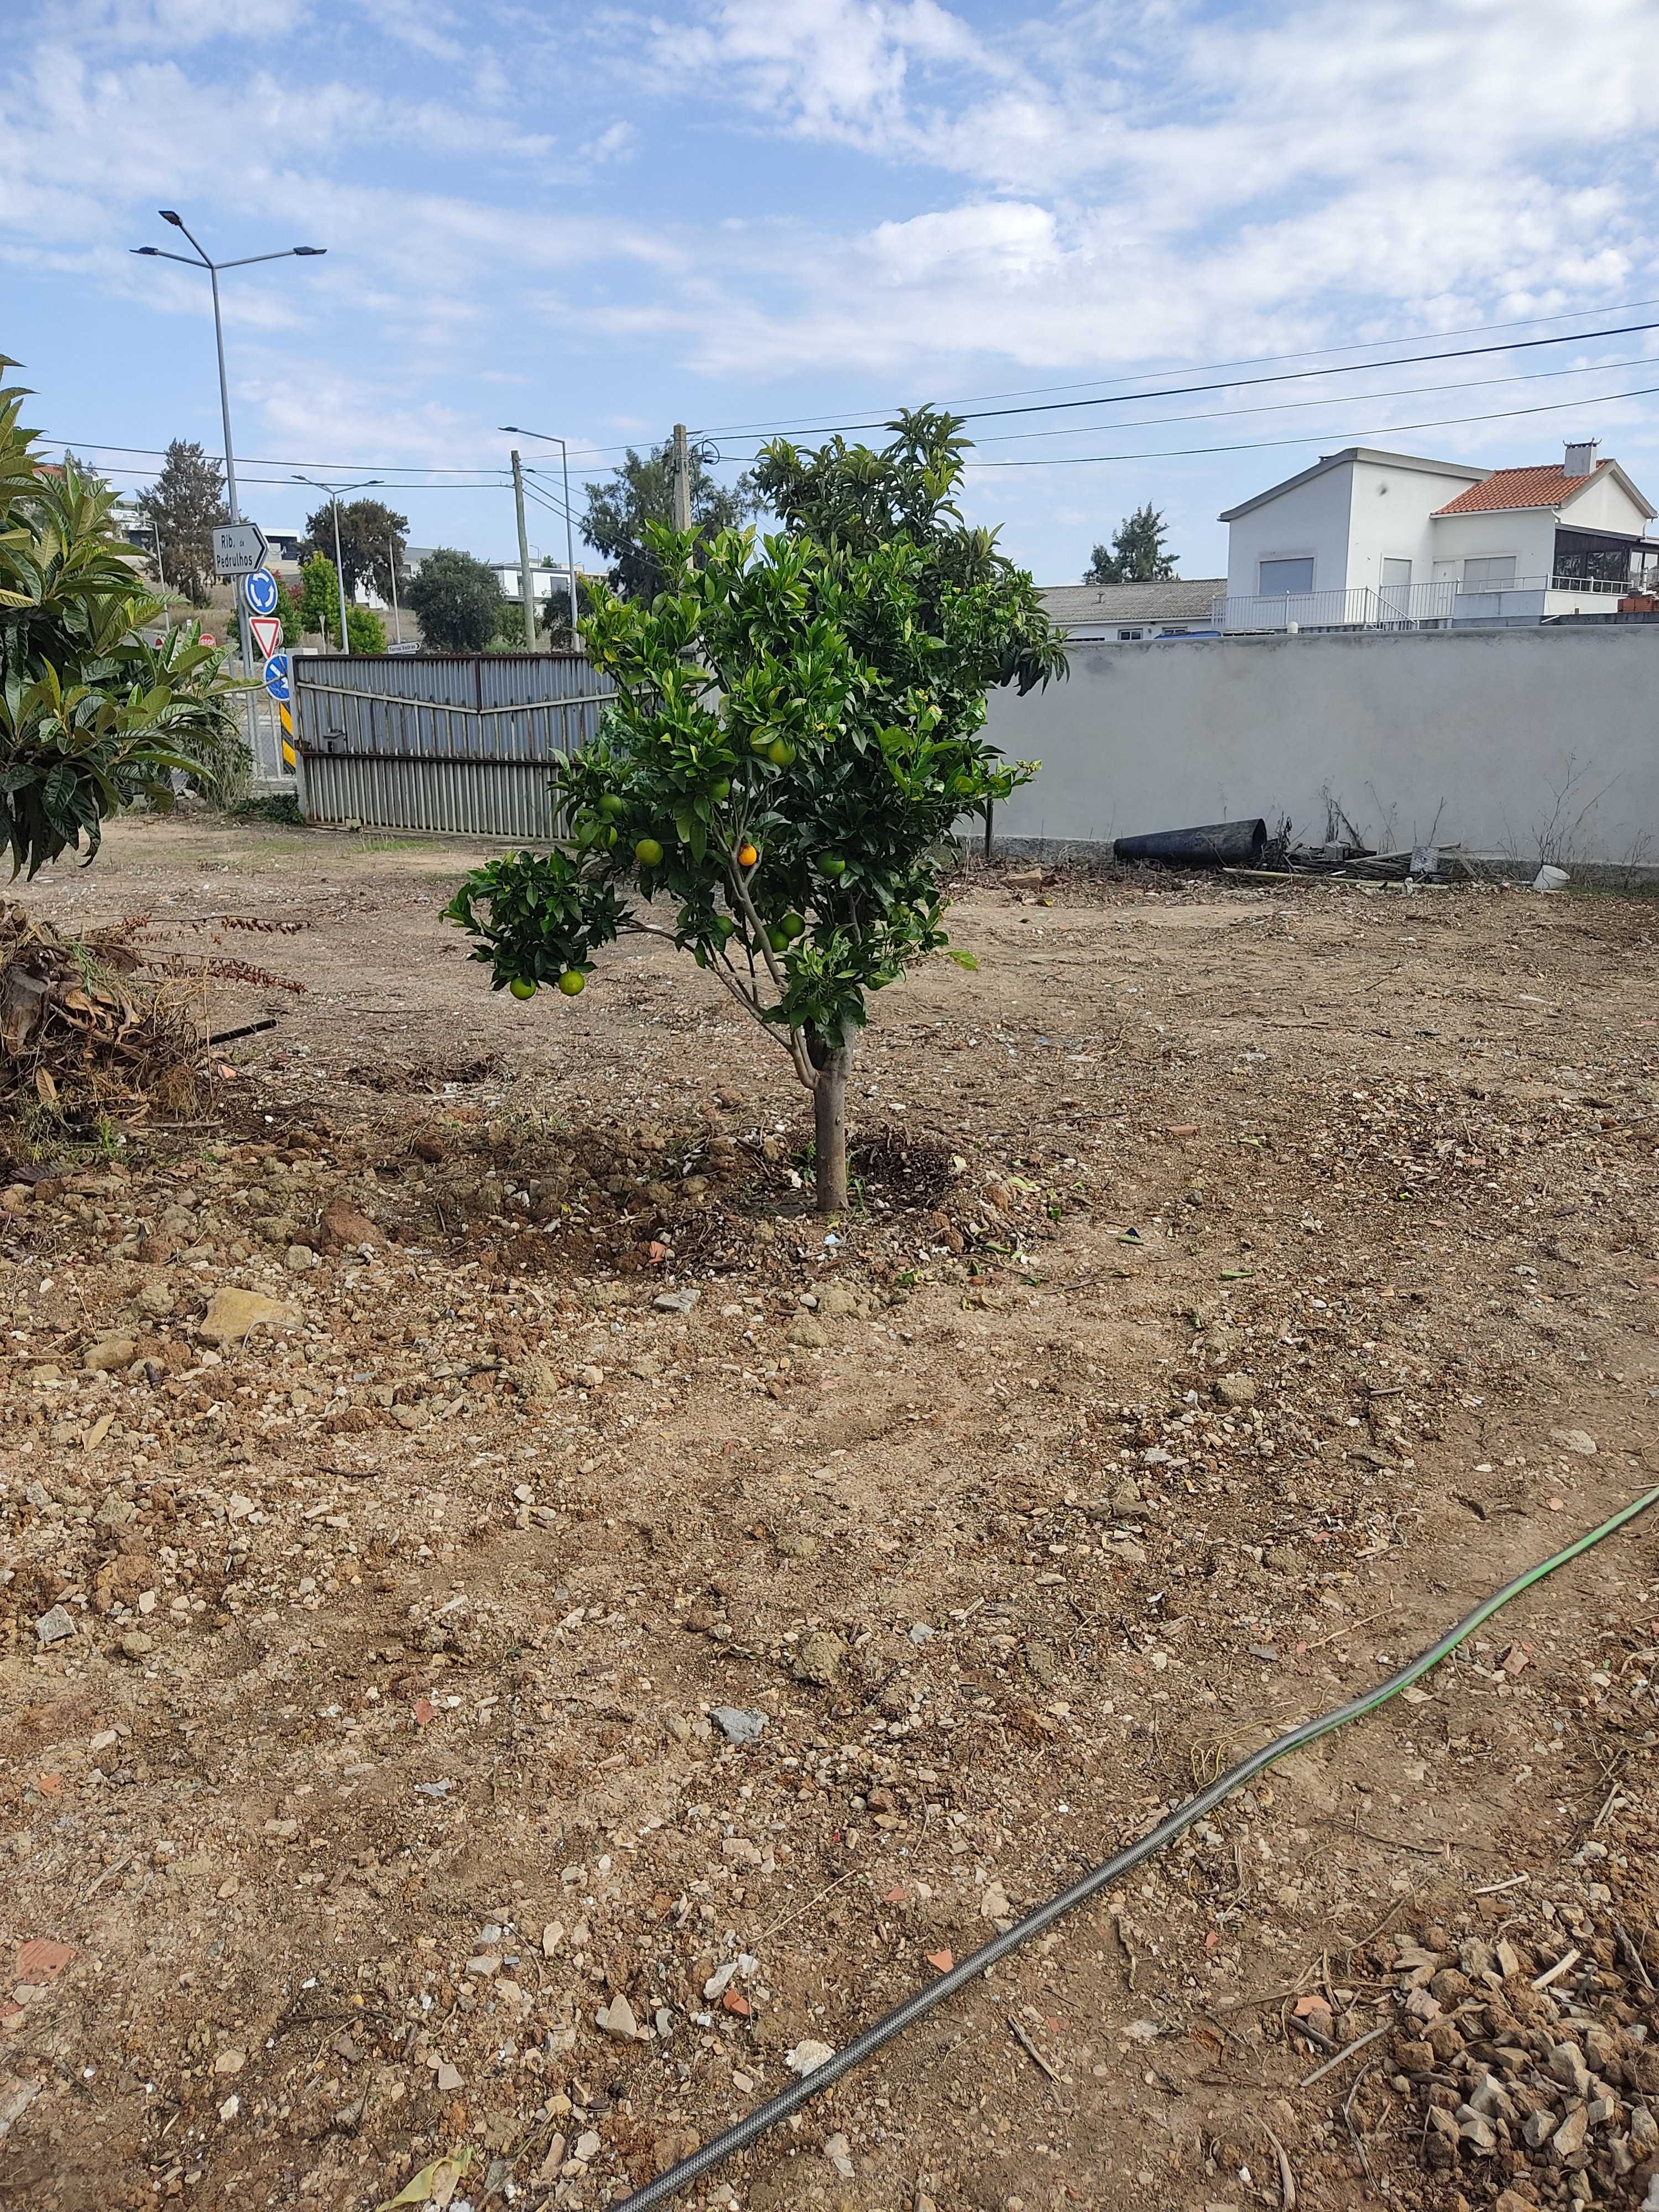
(1241,1281)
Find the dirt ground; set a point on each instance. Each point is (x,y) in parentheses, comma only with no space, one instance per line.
(1242,1280)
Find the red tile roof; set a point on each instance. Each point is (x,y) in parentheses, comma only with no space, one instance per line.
(1545,486)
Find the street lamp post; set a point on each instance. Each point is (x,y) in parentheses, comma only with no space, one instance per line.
(334,493)
(547,439)
(202,260)
(397,619)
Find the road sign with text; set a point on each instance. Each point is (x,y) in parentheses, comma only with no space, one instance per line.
(238,548)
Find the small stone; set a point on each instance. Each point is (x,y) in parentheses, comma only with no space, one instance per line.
(298,1258)
(586,2146)
(228,2110)
(115,1512)
(839,2152)
(342,1224)
(155,1297)
(807,2056)
(1568,2138)
(447,2077)
(1127,1501)
(1477,2130)
(820,1657)
(798,1548)
(55,1624)
(110,1352)
(1566,2065)
(1577,1440)
(810,1334)
(135,1644)
(230,2062)
(589,1378)
(233,1314)
(676,1302)
(739,1723)
(994,1903)
(1235,1390)
(618,2019)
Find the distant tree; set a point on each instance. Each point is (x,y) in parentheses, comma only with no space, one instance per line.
(319,600)
(365,631)
(1136,555)
(641,491)
(456,600)
(186,504)
(290,614)
(369,531)
(556,613)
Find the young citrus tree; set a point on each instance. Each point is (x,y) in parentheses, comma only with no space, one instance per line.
(797,731)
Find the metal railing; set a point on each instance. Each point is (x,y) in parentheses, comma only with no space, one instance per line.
(1394,606)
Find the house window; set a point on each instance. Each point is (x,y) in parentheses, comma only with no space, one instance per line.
(1277,579)
(1493,572)
(1127,636)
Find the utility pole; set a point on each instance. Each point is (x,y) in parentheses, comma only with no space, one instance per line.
(334,493)
(523,557)
(682,496)
(397,619)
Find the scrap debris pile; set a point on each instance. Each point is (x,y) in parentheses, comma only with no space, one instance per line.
(88,1026)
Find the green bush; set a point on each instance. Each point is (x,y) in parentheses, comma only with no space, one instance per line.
(91,716)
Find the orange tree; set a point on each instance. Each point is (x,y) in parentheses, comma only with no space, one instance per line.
(796,729)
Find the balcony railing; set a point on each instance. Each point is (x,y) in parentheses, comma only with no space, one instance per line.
(1396,606)
(1419,606)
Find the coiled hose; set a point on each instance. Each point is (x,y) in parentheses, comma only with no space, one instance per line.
(755,2124)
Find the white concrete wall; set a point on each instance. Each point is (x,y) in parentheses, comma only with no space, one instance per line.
(1312,519)
(1389,518)
(1500,739)
(1604,504)
(1529,532)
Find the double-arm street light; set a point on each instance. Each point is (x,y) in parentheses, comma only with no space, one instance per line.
(201,259)
(335,492)
(547,439)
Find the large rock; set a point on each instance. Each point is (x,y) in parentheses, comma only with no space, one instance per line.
(233,1314)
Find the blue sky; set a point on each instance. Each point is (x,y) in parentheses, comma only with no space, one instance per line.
(739,213)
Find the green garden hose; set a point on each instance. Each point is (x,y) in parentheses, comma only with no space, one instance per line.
(765,2117)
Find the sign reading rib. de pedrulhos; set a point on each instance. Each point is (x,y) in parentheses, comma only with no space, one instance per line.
(795,735)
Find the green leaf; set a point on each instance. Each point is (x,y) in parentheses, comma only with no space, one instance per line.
(962,959)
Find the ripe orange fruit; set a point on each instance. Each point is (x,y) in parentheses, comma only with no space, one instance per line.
(747,855)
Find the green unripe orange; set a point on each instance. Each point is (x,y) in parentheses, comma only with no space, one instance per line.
(778,940)
(573,982)
(522,987)
(720,791)
(832,864)
(781,752)
(792,925)
(611,805)
(648,852)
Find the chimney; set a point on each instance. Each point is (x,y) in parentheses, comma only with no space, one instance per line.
(1580,457)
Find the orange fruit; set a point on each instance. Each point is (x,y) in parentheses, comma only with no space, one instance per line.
(747,855)
(573,982)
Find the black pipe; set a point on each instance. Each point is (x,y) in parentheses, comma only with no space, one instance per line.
(753,2125)
(1213,845)
(248,1029)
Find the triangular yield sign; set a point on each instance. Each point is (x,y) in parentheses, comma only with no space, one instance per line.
(267,634)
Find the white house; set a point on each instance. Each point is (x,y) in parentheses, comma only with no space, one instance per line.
(1124,614)
(1377,539)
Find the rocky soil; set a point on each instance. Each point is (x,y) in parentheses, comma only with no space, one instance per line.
(518,1636)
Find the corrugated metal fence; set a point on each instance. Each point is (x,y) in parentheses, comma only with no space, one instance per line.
(464,742)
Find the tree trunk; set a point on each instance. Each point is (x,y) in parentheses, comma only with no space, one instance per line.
(833,1064)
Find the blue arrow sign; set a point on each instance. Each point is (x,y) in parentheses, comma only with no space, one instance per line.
(277,678)
(259,590)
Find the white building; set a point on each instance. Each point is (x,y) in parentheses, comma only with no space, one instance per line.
(1376,539)
(1126,613)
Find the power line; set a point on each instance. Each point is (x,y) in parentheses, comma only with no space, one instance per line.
(1257,361)
(1284,406)
(1320,437)
(274,461)
(1283,376)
